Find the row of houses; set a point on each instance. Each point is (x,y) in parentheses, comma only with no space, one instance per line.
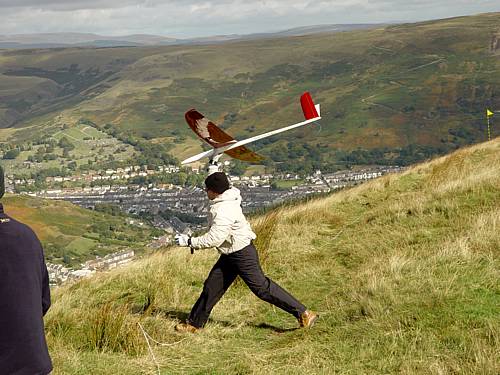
(59,274)
(125,173)
(324,183)
(110,261)
(102,189)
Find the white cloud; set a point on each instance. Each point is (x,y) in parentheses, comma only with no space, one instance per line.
(188,18)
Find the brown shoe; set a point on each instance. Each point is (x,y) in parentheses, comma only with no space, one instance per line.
(307,319)
(186,327)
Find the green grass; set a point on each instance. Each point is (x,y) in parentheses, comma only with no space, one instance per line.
(287,184)
(81,245)
(403,271)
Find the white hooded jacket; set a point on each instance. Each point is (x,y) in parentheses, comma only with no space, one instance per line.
(229,229)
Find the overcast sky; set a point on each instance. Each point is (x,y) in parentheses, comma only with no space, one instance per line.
(189,18)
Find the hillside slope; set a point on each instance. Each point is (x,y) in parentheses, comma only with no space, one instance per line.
(403,270)
(426,84)
(71,234)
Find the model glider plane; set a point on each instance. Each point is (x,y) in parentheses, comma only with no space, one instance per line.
(222,142)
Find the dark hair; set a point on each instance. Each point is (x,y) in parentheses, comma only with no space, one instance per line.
(217,182)
(2,183)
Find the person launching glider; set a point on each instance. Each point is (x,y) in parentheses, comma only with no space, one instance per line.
(229,231)
(231,234)
(223,143)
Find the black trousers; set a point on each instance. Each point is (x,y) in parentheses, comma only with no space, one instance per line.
(244,263)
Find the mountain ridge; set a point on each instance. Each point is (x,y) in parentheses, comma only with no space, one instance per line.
(68,40)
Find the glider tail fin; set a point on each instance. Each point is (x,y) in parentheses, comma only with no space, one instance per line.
(308,107)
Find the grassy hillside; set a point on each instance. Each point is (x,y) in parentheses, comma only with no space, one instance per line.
(426,84)
(71,234)
(403,270)
(89,148)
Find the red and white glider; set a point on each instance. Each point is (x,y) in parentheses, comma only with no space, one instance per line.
(221,142)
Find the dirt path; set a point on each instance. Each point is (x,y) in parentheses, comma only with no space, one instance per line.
(428,64)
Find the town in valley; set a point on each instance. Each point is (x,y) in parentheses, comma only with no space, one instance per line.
(174,208)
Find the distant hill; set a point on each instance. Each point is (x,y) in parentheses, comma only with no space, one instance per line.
(67,40)
(389,95)
(51,40)
(403,271)
(316,29)
(70,234)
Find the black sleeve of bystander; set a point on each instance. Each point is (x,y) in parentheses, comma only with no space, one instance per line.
(45,283)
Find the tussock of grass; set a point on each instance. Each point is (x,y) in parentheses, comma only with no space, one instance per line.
(404,271)
(265,227)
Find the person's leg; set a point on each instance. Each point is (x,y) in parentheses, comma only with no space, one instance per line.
(220,278)
(247,263)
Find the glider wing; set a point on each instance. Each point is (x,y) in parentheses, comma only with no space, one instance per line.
(222,142)
(243,153)
(217,138)
(311,113)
